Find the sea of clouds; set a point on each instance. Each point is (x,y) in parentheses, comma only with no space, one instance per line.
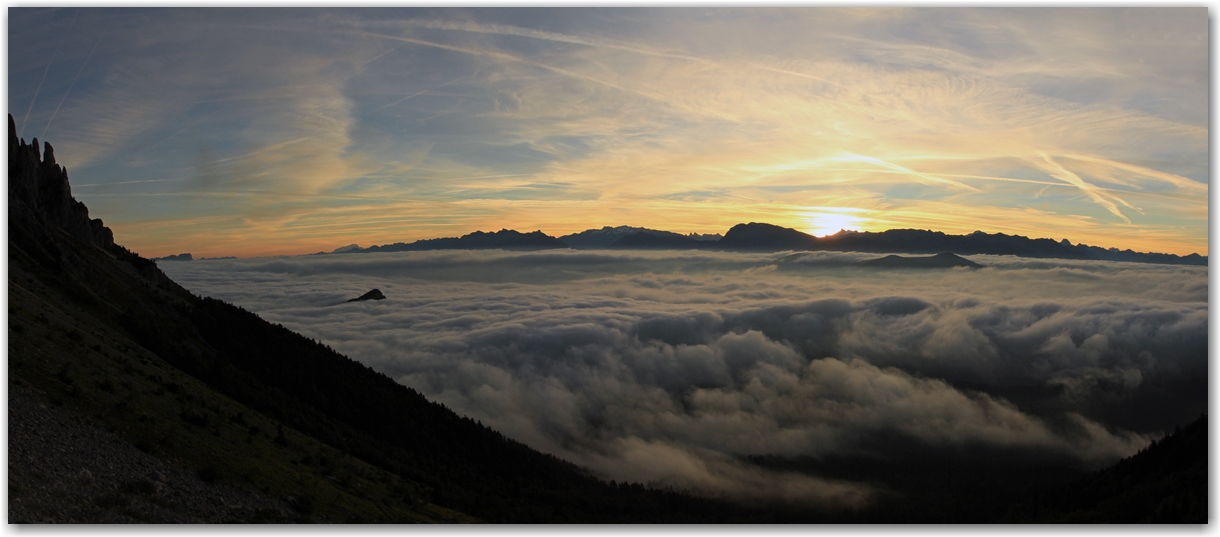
(671,367)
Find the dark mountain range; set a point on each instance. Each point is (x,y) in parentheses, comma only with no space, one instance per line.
(770,238)
(505,239)
(760,237)
(637,238)
(943,260)
(177,257)
(595,239)
(100,337)
(657,241)
(102,332)
(755,237)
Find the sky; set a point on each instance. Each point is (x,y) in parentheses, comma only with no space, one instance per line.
(247,132)
(673,368)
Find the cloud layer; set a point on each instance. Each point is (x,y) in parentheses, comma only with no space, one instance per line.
(671,368)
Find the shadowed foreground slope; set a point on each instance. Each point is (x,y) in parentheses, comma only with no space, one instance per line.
(1163,483)
(106,336)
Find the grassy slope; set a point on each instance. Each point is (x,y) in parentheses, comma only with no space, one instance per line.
(212,385)
(68,351)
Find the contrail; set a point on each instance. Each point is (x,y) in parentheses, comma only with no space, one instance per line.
(70,86)
(26,119)
(417,94)
(510,58)
(379,56)
(508,30)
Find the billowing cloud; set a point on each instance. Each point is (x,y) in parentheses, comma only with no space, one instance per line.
(674,368)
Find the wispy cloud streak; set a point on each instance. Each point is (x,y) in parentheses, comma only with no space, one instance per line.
(1046,122)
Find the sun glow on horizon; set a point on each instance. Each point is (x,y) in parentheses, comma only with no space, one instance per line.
(830,220)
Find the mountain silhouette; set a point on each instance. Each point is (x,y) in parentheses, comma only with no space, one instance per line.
(505,239)
(765,237)
(102,332)
(756,237)
(943,260)
(762,237)
(375,294)
(606,237)
(657,241)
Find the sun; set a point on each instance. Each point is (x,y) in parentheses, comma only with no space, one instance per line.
(824,223)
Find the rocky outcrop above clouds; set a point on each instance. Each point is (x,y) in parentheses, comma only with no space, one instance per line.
(38,190)
(375,294)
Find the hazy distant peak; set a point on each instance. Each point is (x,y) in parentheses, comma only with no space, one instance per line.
(941,260)
(342,249)
(505,239)
(705,236)
(606,236)
(179,257)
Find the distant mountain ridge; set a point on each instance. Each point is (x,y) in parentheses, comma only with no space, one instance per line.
(762,237)
(630,237)
(768,237)
(505,239)
(936,261)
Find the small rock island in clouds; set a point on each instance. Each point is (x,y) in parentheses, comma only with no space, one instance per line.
(375,294)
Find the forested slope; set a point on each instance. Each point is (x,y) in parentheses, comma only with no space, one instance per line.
(103,330)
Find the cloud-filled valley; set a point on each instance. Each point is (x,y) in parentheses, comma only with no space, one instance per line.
(675,368)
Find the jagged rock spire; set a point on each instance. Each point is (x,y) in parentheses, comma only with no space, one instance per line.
(38,192)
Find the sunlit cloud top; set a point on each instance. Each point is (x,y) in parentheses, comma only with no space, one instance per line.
(275,131)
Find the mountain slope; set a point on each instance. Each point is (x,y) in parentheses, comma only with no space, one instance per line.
(102,331)
(1163,483)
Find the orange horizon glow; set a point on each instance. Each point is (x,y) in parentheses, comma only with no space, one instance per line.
(258,139)
(818,224)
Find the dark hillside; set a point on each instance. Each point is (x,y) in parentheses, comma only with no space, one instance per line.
(1163,483)
(103,330)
